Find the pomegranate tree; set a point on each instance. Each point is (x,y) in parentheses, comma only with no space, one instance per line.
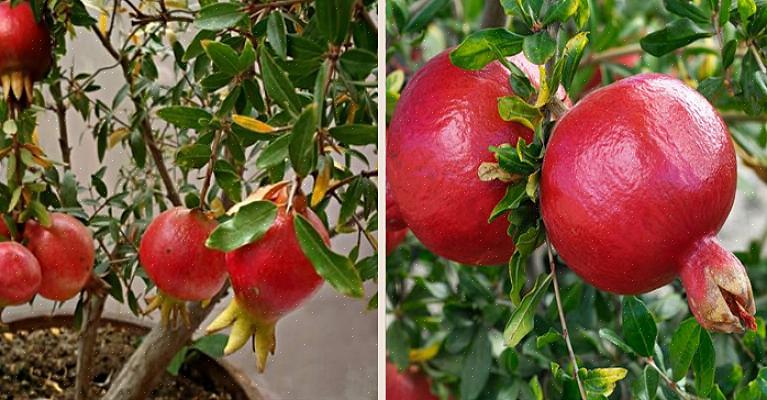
(20,275)
(65,251)
(25,51)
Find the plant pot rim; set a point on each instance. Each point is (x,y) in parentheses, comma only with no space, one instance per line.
(219,370)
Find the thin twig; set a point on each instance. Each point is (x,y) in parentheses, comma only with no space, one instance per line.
(332,188)
(211,164)
(563,322)
(670,382)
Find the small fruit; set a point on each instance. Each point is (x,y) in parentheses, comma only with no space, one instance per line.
(406,385)
(270,278)
(65,253)
(440,132)
(637,180)
(20,275)
(627,60)
(25,51)
(173,253)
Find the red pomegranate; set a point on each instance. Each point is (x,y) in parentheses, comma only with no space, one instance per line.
(20,275)
(25,50)
(65,253)
(394,219)
(270,278)
(174,255)
(406,385)
(394,239)
(439,135)
(627,60)
(637,180)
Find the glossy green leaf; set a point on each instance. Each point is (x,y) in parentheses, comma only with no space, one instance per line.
(336,269)
(639,329)
(333,18)
(219,16)
(275,153)
(302,149)
(521,322)
(193,156)
(476,366)
(684,344)
(678,33)
(250,223)
(355,134)
(424,15)
(539,47)
(277,34)
(278,86)
(513,108)
(612,337)
(688,9)
(481,48)
(185,117)
(704,364)
(561,11)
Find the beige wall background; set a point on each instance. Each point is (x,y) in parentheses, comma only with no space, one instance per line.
(327,350)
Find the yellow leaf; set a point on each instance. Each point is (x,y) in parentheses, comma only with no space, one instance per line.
(117,136)
(425,353)
(252,124)
(543,93)
(217,207)
(103,23)
(321,184)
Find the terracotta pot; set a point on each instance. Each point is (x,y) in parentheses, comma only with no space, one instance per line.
(224,375)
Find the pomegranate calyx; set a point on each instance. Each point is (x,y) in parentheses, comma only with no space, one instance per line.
(718,289)
(245,326)
(171,310)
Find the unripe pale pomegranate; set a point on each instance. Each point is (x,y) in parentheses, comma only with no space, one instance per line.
(25,51)
(406,385)
(65,253)
(637,180)
(174,255)
(627,60)
(20,275)
(270,277)
(444,123)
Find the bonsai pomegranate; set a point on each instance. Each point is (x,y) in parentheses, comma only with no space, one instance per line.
(25,51)
(174,256)
(65,253)
(20,275)
(270,278)
(406,385)
(440,132)
(637,180)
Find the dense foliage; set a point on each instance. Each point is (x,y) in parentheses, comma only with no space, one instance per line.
(216,99)
(495,332)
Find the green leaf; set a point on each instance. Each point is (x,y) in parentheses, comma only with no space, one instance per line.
(684,344)
(397,346)
(648,383)
(704,365)
(521,322)
(476,366)
(193,156)
(223,57)
(219,16)
(517,272)
(250,223)
(678,33)
(275,153)
(211,345)
(539,47)
(278,86)
(68,191)
(728,53)
(601,381)
(583,14)
(516,109)
(612,337)
(351,201)
(688,9)
(639,328)
(561,11)
(515,195)
(359,63)
(333,18)
(355,134)
(337,270)
(571,58)
(277,34)
(724,12)
(302,150)
(185,117)
(485,46)
(177,362)
(424,16)
(746,8)
(228,179)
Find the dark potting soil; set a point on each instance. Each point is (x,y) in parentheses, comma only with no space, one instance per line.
(41,364)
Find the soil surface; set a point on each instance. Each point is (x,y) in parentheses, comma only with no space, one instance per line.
(41,365)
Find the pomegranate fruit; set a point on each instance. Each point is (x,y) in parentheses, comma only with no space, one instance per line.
(25,51)
(627,60)
(65,253)
(270,278)
(406,385)
(637,180)
(394,239)
(444,123)
(20,275)
(394,219)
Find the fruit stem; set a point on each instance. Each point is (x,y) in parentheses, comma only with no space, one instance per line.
(562,320)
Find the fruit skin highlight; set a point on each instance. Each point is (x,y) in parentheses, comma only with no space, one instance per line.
(270,278)
(406,385)
(25,50)
(444,123)
(65,251)
(174,255)
(20,275)
(637,180)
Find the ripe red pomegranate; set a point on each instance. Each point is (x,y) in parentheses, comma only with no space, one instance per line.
(270,278)
(627,60)
(439,135)
(394,219)
(406,385)
(25,51)
(637,180)
(65,253)
(20,275)
(394,239)
(174,255)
